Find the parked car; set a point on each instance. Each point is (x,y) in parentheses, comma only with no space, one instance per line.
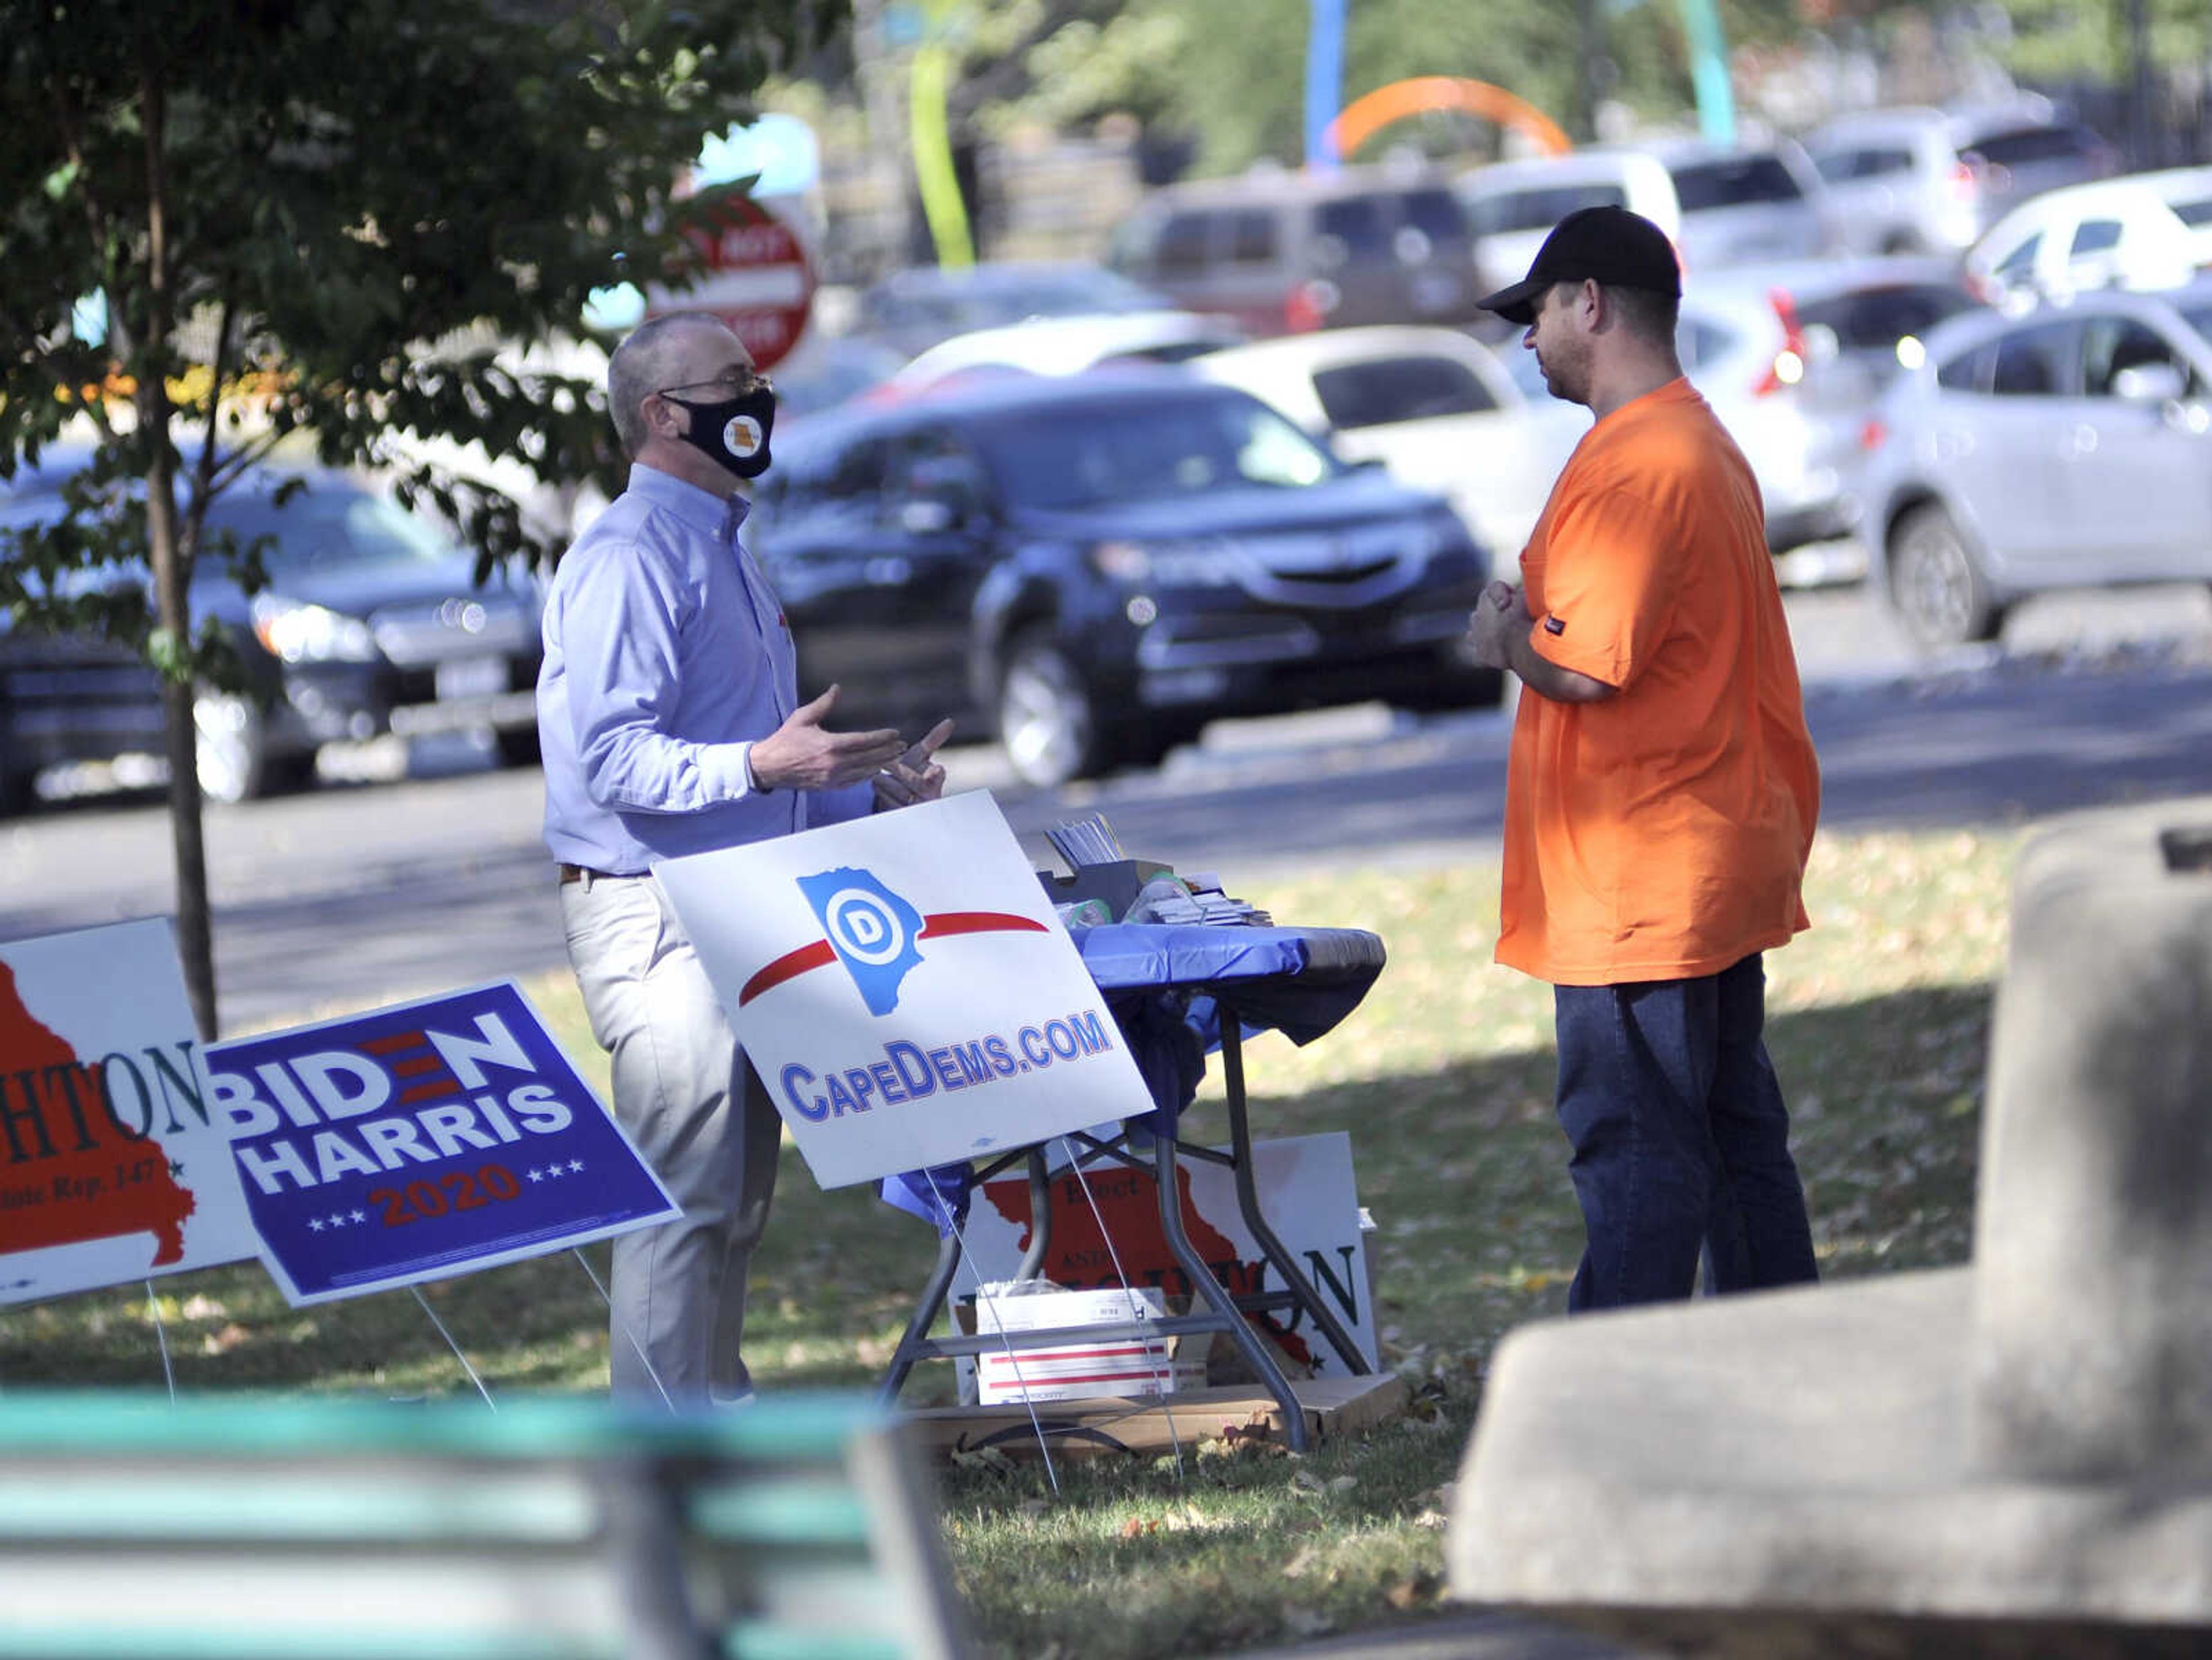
(1093,566)
(1915,180)
(1286,252)
(827,369)
(1792,358)
(1433,405)
(1745,205)
(2139,230)
(371,623)
(912,310)
(2069,447)
(1068,345)
(1511,206)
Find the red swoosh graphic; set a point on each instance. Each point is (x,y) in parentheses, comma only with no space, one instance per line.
(977,921)
(789,966)
(792,963)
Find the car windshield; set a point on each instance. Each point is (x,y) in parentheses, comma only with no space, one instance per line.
(1097,453)
(2199,316)
(1875,320)
(1733,181)
(1540,207)
(324,526)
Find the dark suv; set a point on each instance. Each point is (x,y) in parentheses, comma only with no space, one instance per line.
(371,623)
(1092,566)
(1284,253)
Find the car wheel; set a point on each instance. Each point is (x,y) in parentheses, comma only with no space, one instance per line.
(1936,583)
(235,762)
(18,790)
(518,746)
(1046,719)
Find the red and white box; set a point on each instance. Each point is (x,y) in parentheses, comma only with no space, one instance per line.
(1075,1370)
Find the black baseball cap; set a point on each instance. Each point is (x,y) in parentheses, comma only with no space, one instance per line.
(1607,245)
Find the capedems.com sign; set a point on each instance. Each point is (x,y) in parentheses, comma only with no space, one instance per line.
(902,987)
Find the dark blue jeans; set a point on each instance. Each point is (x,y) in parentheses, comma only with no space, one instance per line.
(1681,1141)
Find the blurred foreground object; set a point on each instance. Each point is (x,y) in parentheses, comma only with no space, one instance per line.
(133,1527)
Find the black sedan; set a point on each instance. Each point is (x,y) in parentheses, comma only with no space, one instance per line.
(1093,567)
(371,622)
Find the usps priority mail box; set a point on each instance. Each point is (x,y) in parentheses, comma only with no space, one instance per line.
(904,991)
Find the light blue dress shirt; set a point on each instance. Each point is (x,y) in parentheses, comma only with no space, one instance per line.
(666,655)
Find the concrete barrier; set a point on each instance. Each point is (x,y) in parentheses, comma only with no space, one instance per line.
(2010,1458)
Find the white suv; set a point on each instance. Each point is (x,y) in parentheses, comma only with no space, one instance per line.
(1920,180)
(2141,230)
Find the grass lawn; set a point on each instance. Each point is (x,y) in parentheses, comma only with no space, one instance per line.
(1878,1022)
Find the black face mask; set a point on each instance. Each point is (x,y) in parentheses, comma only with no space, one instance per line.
(734,431)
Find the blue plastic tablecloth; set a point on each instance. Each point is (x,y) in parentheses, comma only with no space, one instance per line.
(1161,981)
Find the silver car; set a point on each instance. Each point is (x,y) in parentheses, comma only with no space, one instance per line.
(1792,357)
(1928,180)
(2069,447)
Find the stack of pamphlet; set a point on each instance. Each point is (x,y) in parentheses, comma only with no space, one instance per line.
(1195,898)
(1134,889)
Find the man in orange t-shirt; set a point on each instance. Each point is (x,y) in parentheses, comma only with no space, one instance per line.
(1661,791)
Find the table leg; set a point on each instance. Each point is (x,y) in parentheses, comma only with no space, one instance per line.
(1218,1297)
(914,1344)
(1247,1198)
(1040,1218)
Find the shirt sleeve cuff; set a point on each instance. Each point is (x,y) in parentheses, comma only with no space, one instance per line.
(726,770)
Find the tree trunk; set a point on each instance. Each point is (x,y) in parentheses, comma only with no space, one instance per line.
(171,559)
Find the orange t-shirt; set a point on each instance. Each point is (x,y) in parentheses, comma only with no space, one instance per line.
(1661,833)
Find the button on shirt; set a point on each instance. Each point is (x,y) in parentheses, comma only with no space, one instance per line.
(666,655)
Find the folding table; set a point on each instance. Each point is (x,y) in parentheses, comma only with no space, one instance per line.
(1176,991)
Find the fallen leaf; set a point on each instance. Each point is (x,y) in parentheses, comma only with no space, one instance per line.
(1417,1590)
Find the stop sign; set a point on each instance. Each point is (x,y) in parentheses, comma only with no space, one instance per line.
(758,279)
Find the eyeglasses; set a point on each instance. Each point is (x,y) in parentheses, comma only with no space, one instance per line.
(735,384)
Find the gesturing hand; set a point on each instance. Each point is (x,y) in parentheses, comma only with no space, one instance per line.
(800,754)
(914,776)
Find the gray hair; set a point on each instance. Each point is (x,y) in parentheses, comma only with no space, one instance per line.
(641,366)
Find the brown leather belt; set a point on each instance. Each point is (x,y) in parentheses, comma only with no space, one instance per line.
(578,873)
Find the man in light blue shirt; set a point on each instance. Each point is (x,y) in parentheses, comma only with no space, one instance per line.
(668,713)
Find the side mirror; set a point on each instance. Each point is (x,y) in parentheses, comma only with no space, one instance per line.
(2149,383)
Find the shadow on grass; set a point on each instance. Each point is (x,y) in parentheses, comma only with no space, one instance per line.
(1461,1167)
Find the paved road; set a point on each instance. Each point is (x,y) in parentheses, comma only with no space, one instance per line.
(373,890)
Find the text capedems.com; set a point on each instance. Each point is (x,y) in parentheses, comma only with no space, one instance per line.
(908,1072)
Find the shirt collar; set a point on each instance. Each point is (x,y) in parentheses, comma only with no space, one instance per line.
(710,514)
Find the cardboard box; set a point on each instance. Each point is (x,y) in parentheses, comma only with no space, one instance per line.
(1077,1370)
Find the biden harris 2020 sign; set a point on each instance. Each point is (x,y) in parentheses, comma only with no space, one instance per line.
(904,991)
(422,1141)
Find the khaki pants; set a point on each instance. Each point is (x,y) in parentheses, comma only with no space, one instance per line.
(685,1096)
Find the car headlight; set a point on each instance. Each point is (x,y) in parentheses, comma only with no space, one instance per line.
(299,633)
(1185,564)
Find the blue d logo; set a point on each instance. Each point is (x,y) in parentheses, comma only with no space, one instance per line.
(870,928)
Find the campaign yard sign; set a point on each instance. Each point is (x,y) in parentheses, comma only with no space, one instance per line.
(114,1163)
(904,990)
(1306,1193)
(422,1141)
